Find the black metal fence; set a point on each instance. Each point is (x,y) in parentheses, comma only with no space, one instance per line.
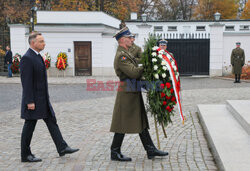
(191,50)
(192,55)
(196,35)
(4,41)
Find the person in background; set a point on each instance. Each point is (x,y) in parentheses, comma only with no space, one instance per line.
(237,61)
(135,50)
(8,60)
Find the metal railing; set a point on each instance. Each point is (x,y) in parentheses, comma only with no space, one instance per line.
(3,67)
(4,41)
(182,35)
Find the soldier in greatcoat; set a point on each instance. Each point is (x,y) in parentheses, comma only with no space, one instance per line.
(135,50)
(237,61)
(129,115)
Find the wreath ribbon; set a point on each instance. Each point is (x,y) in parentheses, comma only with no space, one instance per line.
(174,82)
(60,61)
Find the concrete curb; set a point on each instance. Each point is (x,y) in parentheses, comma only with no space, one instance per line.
(61,80)
(211,145)
(231,79)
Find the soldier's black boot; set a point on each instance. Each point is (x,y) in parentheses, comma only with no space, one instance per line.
(235,78)
(149,146)
(116,148)
(238,78)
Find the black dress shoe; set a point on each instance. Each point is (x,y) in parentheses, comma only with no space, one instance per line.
(31,158)
(116,156)
(68,150)
(152,152)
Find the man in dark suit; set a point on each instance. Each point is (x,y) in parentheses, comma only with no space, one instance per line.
(8,60)
(35,100)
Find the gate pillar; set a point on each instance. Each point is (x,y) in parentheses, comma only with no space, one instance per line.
(216,49)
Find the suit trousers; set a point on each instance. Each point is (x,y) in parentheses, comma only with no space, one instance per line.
(27,133)
(9,70)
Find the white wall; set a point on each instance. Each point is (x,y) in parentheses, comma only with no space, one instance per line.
(18,38)
(109,50)
(61,42)
(109,46)
(216,49)
(61,38)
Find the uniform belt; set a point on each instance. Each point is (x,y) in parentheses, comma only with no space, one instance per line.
(124,79)
(127,79)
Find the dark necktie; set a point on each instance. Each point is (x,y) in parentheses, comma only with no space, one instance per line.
(41,59)
(43,65)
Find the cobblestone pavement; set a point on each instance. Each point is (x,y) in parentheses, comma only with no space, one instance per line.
(84,119)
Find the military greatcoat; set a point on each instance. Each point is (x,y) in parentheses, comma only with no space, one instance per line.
(136,52)
(237,60)
(129,115)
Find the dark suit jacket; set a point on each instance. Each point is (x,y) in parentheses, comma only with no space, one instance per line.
(8,57)
(35,87)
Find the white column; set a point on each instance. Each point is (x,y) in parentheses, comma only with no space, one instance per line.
(144,34)
(216,49)
(19,38)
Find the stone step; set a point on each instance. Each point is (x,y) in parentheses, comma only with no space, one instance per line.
(228,141)
(240,109)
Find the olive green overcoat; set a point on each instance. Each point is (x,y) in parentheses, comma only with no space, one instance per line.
(136,52)
(237,60)
(129,115)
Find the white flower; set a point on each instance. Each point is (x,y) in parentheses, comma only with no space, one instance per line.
(177,78)
(160,56)
(154,60)
(164,68)
(174,67)
(155,67)
(161,52)
(155,48)
(177,74)
(163,62)
(173,63)
(154,54)
(163,75)
(156,76)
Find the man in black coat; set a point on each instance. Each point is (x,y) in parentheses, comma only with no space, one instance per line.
(8,60)
(35,100)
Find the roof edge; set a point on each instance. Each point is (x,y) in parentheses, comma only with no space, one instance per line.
(152,21)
